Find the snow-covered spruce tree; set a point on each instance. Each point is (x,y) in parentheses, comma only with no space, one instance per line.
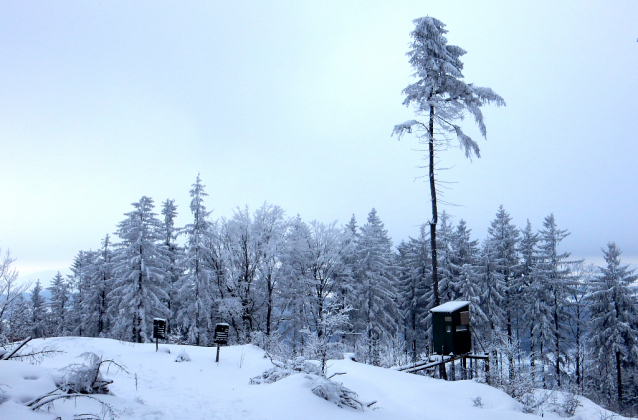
(504,237)
(296,261)
(59,304)
(415,291)
(465,250)
(99,278)
(552,271)
(613,336)
(38,312)
(375,285)
(491,289)
(465,269)
(140,284)
(538,318)
(445,237)
(19,320)
(10,290)
(582,277)
(527,253)
(195,295)
(174,254)
(442,97)
(345,296)
(463,257)
(79,286)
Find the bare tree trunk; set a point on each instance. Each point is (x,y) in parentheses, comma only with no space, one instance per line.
(269,309)
(556,325)
(435,217)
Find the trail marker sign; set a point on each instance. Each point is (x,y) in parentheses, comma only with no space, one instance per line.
(221,334)
(221,337)
(159,330)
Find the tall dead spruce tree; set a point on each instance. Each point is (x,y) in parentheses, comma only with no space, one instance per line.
(442,96)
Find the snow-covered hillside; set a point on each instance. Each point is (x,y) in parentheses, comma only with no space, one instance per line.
(155,386)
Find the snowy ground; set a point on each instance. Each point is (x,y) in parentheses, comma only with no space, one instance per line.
(156,387)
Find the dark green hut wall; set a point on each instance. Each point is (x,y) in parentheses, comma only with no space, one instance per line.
(457,342)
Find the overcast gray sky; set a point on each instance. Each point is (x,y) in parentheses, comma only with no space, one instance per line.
(293,103)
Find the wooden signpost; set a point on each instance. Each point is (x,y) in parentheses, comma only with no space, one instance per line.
(221,337)
(159,330)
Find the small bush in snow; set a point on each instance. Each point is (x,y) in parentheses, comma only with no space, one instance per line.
(183,357)
(325,388)
(478,402)
(337,393)
(534,404)
(282,370)
(564,403)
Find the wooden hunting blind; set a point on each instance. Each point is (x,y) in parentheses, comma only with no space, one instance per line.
(451,328)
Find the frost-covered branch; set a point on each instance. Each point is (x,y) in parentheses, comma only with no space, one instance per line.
(86,378)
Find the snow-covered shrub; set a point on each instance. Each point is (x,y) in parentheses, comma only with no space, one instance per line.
(271,375)
(563,403)
(529,404)
(283,370)
(274,345)
(516,379)
(335,392)
(570,404)
(183,357)
(325,388)
(86,378)
(326,345)
(535,402)
(393,352)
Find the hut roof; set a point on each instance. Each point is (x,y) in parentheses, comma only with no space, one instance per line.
(450,306)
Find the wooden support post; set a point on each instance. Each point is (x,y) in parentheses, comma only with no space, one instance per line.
(487,370)
(217,358)
(156,344)
(442,370)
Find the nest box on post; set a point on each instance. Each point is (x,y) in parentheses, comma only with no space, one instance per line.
(451,328)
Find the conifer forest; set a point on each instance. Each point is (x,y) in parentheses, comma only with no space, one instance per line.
(290,284)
